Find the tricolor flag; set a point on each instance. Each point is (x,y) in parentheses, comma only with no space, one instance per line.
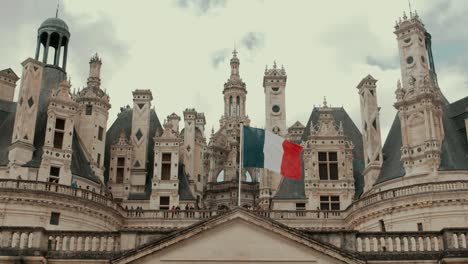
(264,149)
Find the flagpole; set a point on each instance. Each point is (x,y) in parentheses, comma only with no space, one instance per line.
(241,142)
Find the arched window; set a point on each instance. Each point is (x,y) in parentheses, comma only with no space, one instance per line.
(238,106)
(220,177)
(230,105)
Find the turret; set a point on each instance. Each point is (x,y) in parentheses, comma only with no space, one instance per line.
(419,100)
(92,119)
(274,85)
(370,130)
(8,80)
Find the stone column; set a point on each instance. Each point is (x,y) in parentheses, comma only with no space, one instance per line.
(46,49)
(57,52)
(38,47)
(65,54)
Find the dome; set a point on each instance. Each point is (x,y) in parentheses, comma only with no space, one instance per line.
(54,23)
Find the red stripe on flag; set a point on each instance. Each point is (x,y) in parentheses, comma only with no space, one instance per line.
(291,164)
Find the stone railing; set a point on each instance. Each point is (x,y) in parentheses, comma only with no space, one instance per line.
(83,241)
(171,214)
(300,214)
(370,245)
(39,239)
(399,242)
(223,186)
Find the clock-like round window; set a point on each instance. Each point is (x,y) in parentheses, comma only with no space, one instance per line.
(409,60)
(275,108)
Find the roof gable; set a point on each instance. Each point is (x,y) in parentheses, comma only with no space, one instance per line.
(237,235)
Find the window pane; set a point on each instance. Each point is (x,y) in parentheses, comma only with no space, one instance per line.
(54,171)
(58,139)
(335,198)
(89,109)
(120,175)
(335,206)
(323,172)
(166,157)
(324,206)
(322,156)
(54,218)
(324,198)
(164,201)
(332,156)
(166,172)
(121,162)
(59,124)
(333,171)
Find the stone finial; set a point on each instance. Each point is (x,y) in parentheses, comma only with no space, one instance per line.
(325,101)
(274,64)
(234,53)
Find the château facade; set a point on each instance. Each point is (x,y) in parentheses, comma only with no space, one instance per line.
(140,190)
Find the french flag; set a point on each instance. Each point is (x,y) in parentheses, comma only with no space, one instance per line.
(264,149)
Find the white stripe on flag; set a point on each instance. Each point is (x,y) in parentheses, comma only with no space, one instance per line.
(273,151)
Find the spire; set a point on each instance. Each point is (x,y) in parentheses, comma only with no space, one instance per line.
(234,65)
(325,101)
(94,79)
(57,10)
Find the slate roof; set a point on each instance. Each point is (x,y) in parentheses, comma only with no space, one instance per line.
(294,189)
(7,121)
(185,193)
(454,154)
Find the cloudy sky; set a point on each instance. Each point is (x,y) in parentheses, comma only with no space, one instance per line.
(181,49)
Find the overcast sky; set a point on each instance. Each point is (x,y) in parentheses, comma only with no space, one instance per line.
(181,49)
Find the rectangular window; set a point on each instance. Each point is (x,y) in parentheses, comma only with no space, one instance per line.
(59,133)
(55,171)
(166,157)
(166,167)
(420,227)
(164,203)
(300,206)
(98,160)
(330,203)
(60,124)
(328,165)
(54,174)
(89,109)
(120,173)
(100,133)
(54,218)
(166,172)
(382,225)
(121,162)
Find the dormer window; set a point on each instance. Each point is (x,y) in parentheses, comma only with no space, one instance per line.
(328,165)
